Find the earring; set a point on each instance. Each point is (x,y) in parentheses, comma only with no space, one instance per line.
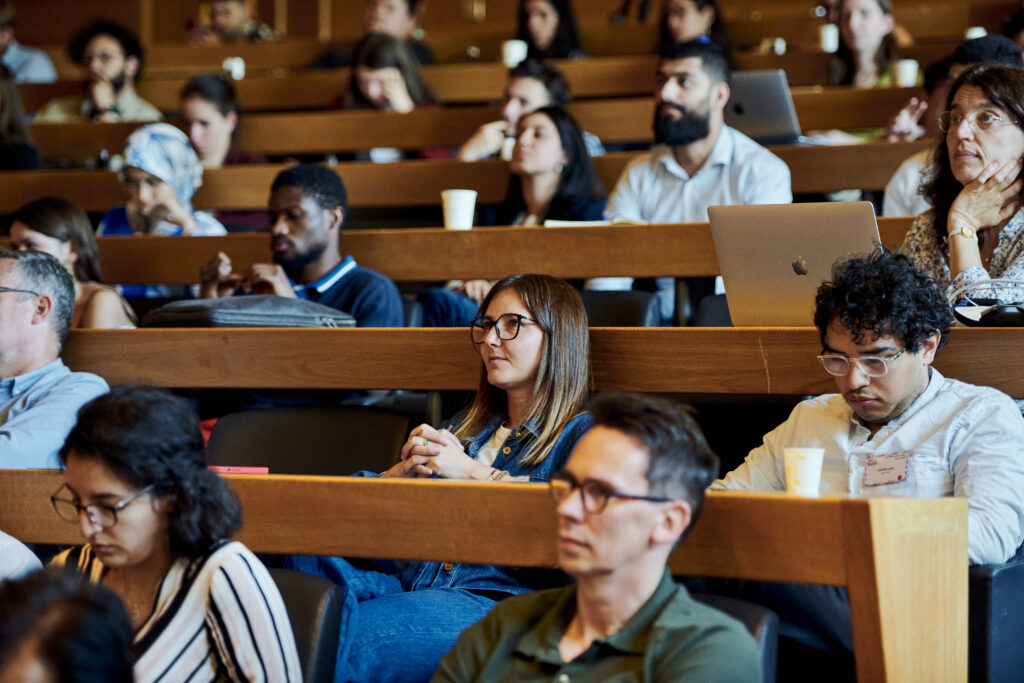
(560,167)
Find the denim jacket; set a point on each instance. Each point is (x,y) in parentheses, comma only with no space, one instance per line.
(486,577)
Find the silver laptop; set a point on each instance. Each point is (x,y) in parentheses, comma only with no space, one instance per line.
(761,107)
(773,257)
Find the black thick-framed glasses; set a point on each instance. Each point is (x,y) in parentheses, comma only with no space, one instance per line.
(19,291)
(104,516)
(872,366)
(595,494)
(507,326)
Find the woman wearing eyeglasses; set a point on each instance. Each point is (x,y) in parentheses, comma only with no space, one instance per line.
(976,230)
(531,334)
(158,526)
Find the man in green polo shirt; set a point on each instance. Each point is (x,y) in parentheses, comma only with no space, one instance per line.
(632,488)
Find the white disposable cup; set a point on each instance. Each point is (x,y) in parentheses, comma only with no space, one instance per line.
(906,73)
(828,34)
(234,67)
(975,32)
(513,52)
(507,145)
(803,471)
(458,206)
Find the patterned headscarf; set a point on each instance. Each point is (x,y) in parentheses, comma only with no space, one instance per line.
(164,151)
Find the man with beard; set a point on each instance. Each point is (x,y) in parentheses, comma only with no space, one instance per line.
(112,59)
(699,161)
(307,208)
(895,427)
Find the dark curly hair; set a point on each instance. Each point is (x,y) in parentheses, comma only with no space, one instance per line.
(129,42)
(1003,87)
(80,629)
(149,437)
(883,294)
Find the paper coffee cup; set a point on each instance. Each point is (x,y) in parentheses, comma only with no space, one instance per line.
(234,67)
(513,52)
(458,206)
(906,73)
(828,34)
(507,145)
(803,471)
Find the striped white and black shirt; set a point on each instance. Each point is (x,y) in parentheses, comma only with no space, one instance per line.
(217,617)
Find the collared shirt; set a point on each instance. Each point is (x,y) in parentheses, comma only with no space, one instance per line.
(486,577)
(671,638)
(28,64)
(130,107)
(654,188)
(368,296)
(37,410)
(963,440)
(901,195)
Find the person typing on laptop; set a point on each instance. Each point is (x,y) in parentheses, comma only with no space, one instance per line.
(699,161)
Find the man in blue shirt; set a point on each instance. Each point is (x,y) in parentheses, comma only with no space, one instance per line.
(26,64)
(307,210)
(39,396)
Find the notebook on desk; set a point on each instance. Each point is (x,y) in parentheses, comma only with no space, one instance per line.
(773,257)
(761,107)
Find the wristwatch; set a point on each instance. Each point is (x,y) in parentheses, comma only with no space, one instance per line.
(965,231)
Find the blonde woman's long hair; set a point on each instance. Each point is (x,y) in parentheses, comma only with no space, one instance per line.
(563,379)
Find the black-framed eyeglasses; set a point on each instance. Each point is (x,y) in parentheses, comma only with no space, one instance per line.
(19,291)
(595,494)
(872,366)
(507,326)
(104,516)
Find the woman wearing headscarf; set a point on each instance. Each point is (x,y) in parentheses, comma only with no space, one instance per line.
(160,175)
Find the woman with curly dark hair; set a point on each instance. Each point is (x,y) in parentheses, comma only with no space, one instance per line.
(975,232)
(158,525)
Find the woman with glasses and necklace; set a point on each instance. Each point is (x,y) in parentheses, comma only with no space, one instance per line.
(158,526)
(975,232)
(531,334)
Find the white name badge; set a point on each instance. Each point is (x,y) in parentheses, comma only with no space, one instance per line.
(890,468)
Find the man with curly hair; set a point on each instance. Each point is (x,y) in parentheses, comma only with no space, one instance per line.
(881,323)
(896,427)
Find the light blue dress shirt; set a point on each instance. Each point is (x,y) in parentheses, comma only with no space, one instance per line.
(28,64)
(38,409)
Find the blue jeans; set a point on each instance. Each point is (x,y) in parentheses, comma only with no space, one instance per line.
(388,633)
(445,308)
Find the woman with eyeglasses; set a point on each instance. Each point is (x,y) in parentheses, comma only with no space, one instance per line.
(975,232)
(552,177)
(158,526)
(531,334)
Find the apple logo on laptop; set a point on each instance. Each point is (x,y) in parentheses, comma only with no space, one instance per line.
(800,266)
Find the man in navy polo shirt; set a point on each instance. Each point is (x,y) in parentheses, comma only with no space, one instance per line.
(307,208)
